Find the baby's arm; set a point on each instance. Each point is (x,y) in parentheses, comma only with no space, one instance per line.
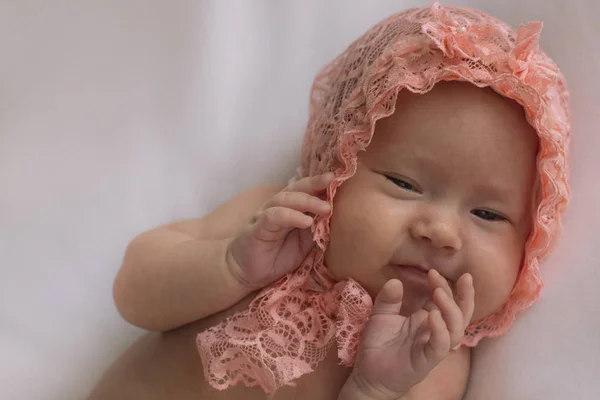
(179,273)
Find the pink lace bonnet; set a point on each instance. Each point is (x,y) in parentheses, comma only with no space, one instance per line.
(292,324)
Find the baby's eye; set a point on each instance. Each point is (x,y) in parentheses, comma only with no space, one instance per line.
(488,215)
(402,183)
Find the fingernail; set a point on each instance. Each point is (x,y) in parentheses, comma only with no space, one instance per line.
(328,176)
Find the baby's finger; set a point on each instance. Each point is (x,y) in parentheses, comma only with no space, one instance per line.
(437,280)
(452,315)
(389,298)
(276,222)
(299,201)
(439,341)
(465,297)
(312,185)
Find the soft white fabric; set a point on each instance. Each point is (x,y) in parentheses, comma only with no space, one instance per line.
(116,116)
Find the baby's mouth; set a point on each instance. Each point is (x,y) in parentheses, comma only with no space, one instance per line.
(415,275)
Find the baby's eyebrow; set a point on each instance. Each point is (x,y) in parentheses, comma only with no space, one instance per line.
(497,192)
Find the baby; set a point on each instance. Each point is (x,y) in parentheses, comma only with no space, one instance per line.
(432,182)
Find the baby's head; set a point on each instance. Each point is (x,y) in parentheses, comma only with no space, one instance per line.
(447,132)
(446,183)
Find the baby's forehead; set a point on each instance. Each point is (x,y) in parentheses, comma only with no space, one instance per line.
(457,116)
(458,103)
(456,130)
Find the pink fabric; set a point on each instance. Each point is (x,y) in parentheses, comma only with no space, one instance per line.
(292,324)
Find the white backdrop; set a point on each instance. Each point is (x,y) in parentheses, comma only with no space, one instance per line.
(116,116)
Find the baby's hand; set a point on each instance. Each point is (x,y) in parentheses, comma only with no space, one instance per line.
(278,239)
(397,352)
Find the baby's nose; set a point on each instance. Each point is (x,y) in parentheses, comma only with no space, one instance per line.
(440,232)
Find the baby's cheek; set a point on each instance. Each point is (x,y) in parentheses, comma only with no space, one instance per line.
(372,227)
(356,233)
(494,269)
(359,237)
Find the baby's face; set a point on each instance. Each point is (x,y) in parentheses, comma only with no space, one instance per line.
(447,183)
